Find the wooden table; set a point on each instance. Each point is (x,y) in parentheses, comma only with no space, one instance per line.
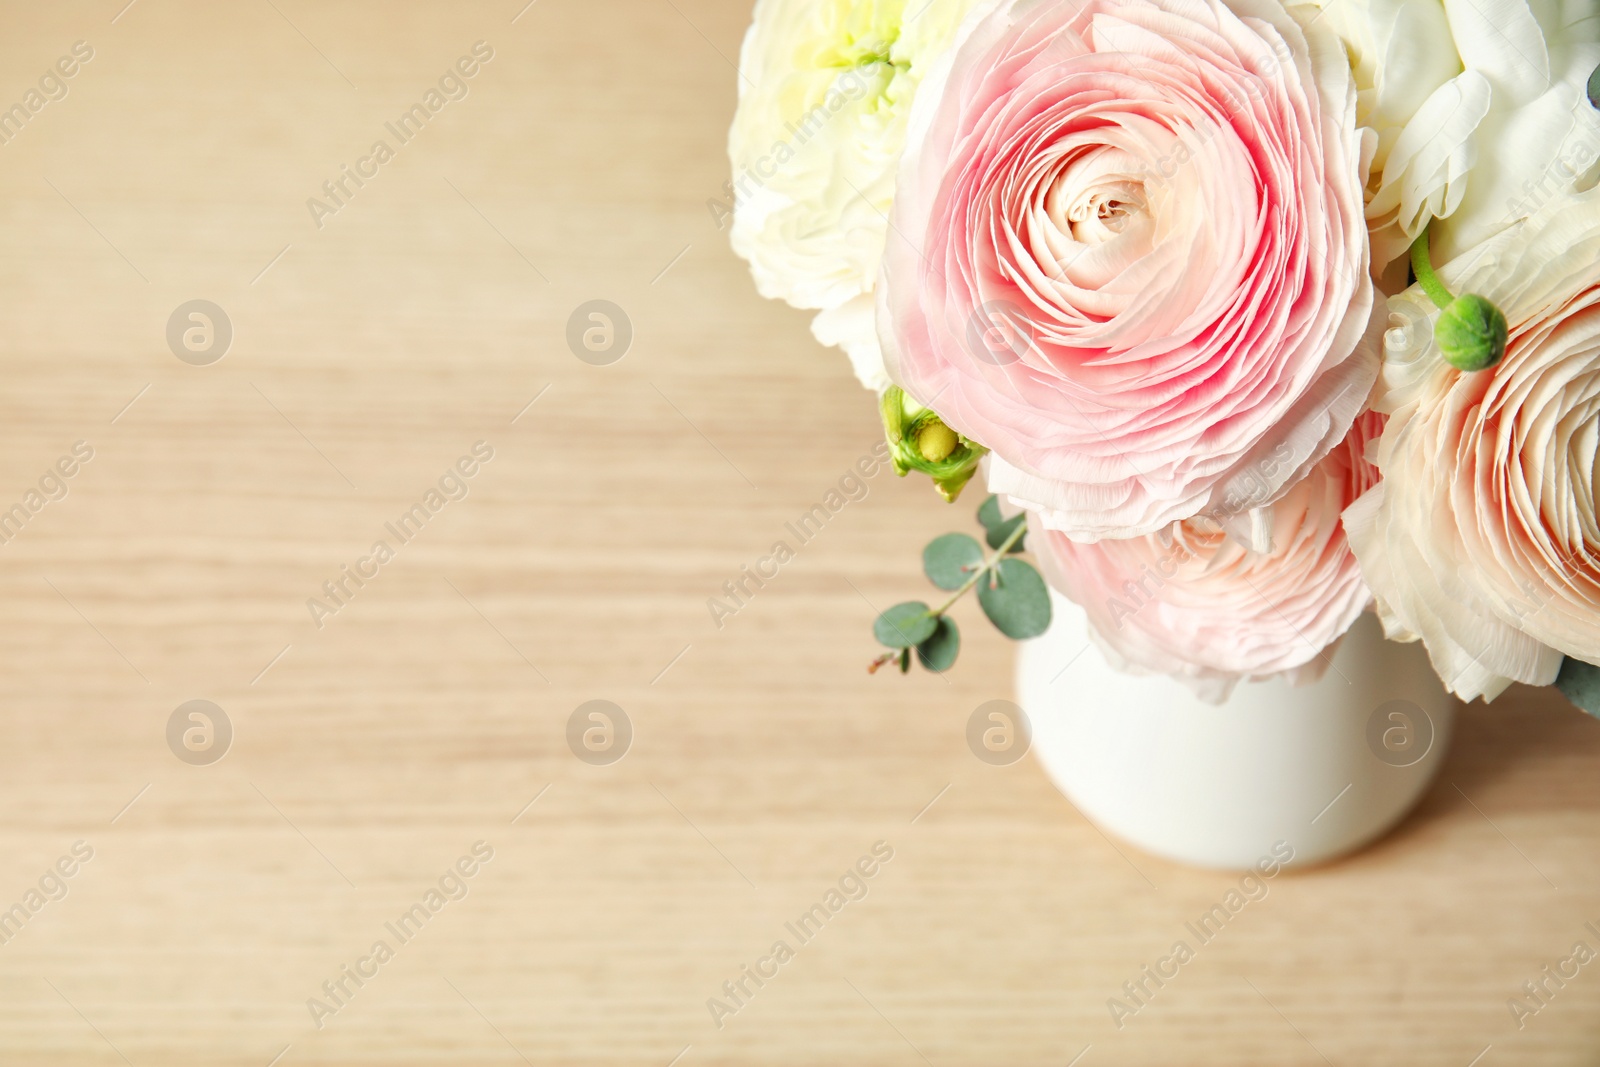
(430,711)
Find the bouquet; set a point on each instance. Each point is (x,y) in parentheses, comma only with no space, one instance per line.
(1250,315)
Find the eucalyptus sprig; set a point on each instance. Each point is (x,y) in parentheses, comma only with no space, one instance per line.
(1010,592)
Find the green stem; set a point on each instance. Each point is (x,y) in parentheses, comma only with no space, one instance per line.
(1423,268)
(988,565)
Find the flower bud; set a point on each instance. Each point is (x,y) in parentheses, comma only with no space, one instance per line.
(920,440)
(1471,333)
(936,441)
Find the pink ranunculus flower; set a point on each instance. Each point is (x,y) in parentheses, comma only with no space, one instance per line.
(1128,254)
(1196,604)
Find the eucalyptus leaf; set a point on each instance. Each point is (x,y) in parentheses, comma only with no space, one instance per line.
(938,652)
(949,560)
(1015,599)
(905,661)
(999,527)
(904,625)
(997,534)
(1580,682)
(989,512)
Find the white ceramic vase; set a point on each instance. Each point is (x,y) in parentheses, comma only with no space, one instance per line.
(1321,769)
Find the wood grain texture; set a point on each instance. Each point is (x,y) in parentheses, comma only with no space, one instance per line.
(432,708)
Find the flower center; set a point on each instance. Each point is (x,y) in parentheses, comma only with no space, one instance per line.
(1192,538)
(1097,197)
(1105,211)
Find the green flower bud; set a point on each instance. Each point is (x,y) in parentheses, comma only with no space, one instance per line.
(935,441)
(921,441)
(1471,333)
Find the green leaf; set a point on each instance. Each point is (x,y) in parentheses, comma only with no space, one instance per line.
(949,560)
(905,661)
(904,625)
(989,512)
(1015,599)
(997,534)
(998,526)
(938,652)
(1580,682)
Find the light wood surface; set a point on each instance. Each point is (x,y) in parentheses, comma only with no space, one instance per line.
(372,752)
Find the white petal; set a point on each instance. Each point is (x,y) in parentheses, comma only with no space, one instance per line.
(1426,172)
(1502,39)
(851,326)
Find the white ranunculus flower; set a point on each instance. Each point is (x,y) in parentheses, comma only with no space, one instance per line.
(852,326)
(1479,109)
(824,93)
(1482,539)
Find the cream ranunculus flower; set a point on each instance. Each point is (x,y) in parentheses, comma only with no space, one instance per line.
(824,93)
(1482,539)
(1479,111)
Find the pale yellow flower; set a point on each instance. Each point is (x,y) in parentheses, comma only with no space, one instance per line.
(825,93)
